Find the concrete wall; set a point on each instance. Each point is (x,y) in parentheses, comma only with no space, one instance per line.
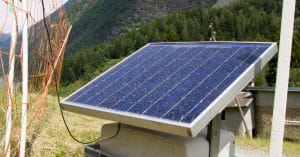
(263,103)
(138,142)
(234,123)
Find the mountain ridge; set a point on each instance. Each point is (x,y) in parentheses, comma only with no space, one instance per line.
(106,19)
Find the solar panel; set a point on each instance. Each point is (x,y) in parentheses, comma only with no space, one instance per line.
(172,87)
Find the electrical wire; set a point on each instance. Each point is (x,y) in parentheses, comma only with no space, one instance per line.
(99,139)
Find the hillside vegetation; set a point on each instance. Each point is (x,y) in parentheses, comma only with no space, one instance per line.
(257,20)
(95,21)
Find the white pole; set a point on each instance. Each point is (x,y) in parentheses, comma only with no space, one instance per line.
(24,80)
(283,70)
(13,44)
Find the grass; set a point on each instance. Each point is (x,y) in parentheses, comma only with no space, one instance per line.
(49,137)
(16,114)
(262,143)
(52,139)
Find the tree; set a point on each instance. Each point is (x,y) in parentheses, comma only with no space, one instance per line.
(185,36)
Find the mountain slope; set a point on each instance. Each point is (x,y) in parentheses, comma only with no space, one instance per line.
(243,21)
(102,20)
(75,8)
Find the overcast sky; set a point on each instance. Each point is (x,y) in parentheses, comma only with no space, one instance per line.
(35,8)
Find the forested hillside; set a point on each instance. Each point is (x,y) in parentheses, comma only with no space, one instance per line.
(98,20)
(256,20)
(75,8)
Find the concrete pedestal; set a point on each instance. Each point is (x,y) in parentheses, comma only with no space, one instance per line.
(138,142)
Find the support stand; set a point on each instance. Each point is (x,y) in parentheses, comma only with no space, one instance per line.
(213,136)
(136,142)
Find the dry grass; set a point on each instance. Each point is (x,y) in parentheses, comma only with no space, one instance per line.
(289,148)
(50,137)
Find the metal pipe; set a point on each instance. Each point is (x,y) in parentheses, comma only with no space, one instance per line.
(24,79)
(14,34)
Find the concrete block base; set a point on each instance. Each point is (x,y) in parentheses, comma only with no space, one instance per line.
(138,142)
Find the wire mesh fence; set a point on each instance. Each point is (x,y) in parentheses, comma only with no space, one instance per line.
(47,40)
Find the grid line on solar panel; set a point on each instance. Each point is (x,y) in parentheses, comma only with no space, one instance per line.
(184,77)
(126,76)
(188,83)
(200,83)
(138,79)
(169,62)
(124,79)
(201,99)
(185,103)
(125,64)
(171,82)
(171,76)
(189,116)
(161,76)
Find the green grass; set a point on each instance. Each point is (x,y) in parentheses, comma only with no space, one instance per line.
(262,143)
(48,136)
(51,137)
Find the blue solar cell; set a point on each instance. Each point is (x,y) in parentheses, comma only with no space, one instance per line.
(140,78)
(158,78)
(173,82)
(111,75)
(245,62)
(204,88)
(187,84)
(124,76)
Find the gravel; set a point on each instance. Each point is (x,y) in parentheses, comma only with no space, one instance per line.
(243,151)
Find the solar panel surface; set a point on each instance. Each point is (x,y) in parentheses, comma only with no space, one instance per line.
(172,87)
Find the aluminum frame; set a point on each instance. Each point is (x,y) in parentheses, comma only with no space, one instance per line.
(169,126)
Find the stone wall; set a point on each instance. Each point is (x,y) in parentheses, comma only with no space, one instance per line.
(264,100)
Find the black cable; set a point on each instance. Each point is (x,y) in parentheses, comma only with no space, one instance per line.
(98,140)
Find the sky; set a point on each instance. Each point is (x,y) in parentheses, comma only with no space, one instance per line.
(34,7)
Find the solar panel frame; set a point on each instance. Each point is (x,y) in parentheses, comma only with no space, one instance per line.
(169,126)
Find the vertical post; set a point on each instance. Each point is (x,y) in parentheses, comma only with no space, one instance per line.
(10,88)
(213,135)
(24,79)
(282,80)
(243,117)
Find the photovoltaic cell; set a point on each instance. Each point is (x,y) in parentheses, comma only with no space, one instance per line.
(173,84)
